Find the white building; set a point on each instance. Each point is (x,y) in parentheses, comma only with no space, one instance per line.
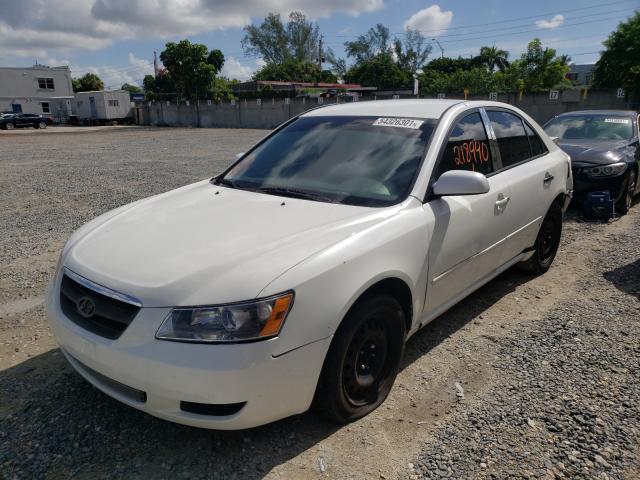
(38,89)
(103,105)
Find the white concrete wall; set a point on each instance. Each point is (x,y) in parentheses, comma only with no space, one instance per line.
(20,86)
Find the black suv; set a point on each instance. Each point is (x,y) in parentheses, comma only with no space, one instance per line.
(20,120)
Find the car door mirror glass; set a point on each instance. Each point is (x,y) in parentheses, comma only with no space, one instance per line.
(460,182)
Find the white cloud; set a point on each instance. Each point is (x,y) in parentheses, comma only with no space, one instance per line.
(555,22)
(432,21)
(232,68)
(113,77)
(33,27)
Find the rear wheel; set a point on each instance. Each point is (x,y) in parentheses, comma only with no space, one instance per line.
(547,242)
(9,126)
(42,125)
(626,200)
(363,360)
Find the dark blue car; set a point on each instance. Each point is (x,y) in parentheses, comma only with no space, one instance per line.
(605,152)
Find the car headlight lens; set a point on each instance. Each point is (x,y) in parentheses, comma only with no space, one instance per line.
(606,170)
(237,322)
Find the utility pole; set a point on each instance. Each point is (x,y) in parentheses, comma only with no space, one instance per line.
(439,45)
(320,59)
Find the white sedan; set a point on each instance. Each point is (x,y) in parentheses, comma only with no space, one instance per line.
(295,277)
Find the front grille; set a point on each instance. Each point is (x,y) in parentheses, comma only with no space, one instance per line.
(109,318)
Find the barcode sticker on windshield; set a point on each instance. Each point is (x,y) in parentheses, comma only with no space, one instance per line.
(617,120)
(398,122)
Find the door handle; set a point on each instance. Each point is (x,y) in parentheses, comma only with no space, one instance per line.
(547,177)
(502,202)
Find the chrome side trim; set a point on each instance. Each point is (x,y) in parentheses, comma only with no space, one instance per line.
(521,229)
(107,292)
(466,260)
(486,250)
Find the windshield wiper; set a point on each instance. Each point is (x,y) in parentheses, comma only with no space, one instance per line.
(225,182)
(294,193)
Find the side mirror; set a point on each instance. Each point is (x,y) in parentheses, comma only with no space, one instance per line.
(555,140)
(460,182)
(239,155)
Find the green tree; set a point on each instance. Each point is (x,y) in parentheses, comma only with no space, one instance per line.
(447,65)
(369,45)
(293,70)
(380,71)
(494,57)
(159,88)
(412,53)
(539,68)
(192,68)
(276,42)
(619,65)
(89,82)
(130,88)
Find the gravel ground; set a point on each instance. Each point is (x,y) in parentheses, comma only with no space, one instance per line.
(527,378)
(569,402)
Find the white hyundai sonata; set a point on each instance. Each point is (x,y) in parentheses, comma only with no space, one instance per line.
(296,276)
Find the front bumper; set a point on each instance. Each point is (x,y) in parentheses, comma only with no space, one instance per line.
(583,184)
(168,373)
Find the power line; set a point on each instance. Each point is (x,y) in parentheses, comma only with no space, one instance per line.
(516,19)
(568,25)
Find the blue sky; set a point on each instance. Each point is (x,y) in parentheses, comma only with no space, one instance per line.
(116,38)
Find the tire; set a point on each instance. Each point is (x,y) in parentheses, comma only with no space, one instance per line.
(10,126)
(547,242)
(363,360)
(42,125)
(626,199)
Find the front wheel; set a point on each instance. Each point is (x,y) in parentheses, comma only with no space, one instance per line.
(9,126)
(547,242)
(363,360)
(42,125)
(626,200)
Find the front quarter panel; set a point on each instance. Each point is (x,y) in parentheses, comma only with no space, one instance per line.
(328,283)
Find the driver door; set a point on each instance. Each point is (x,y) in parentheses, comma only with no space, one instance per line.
(469,229)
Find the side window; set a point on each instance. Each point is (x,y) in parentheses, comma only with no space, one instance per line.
(537,147)
(467,147)
(512,139)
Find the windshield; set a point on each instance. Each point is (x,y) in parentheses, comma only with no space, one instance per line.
(590,127)
(368,161)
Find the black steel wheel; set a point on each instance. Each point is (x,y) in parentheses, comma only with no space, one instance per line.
(363,360)
(626,200)
(547,242)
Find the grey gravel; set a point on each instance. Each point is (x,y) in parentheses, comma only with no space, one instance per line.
(550,378)
(568,403)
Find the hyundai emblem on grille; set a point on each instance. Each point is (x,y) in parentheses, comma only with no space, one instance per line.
(86,307)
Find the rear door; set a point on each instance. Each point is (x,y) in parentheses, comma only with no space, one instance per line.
(469,229)
(532,173)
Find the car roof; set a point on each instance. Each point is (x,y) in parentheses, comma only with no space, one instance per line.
(599,112)
(395,108)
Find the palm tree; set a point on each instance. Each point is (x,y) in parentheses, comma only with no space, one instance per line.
(494,57)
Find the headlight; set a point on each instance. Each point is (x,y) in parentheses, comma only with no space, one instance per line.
(606,170)
(236,322)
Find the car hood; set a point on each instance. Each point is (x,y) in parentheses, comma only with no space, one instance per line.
(204,244)
(592,152)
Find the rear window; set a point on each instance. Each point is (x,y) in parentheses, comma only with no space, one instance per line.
(511,136)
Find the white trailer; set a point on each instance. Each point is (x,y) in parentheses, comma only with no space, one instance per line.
(103,105)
